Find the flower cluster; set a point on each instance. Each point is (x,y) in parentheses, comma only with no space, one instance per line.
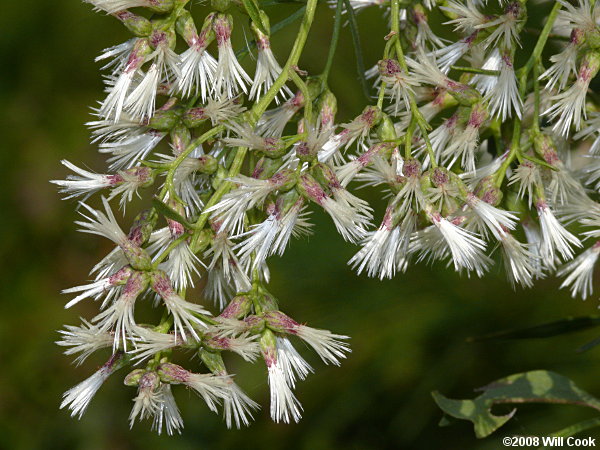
(472,154)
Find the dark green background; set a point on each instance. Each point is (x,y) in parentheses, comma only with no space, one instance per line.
(408,335)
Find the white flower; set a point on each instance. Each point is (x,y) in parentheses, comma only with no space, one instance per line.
(358,129)
(427,71)
(267,71)
(496,220)
(141,101)
(117,56)
(156,400)
(350,220)
(425,36)
(463,144)
(213,389)
(569,106)
(250,192)
(222,109)
(592,127)
(383,251)
(79,397)
(118,318)
(563,65)
(237,406)
(534,243)
(528,177)
(468,17)
(113,6)
(284,404)
(284,365)
(85,183)
(148,401)
(225,274)
(230,77)
(85,339)
(447,56)
(485,83)
(109,130)
(197,69)
(112,262)
(273,234)
(273,121)
(103,224)
(379,172)
(119,86)
(504,97)
(583,16)
(148,342)
(187,181)
(168,412)
(555,238)
(93,290)
(579,272)
(184,313)
(506,28)
(443,134)
(398,84)
(129,150)
(520,263)
(466,248)
(182,263)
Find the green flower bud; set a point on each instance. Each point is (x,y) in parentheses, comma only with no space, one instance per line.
(208,164)
(487,191)
(160,6)
(238,307)
(164,120)
(142,226)
(220,5)
(213,361)
(138,25)
(133,377)
(386,130)
(327,107)
(266,168)
(180,138)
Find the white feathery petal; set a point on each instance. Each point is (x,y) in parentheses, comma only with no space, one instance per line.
(579,272)
(84,339)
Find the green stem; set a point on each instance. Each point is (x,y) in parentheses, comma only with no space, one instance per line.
(536,97)
(541,42)
(168,250)
(257,111)
(414,108)
(523,75)
(337,25)
(184,154)
(300,84)
(578,427)
(360,65)
(493,73)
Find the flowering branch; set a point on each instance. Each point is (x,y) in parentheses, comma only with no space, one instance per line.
(457,140)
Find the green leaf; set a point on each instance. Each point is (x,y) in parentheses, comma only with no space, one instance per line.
(170,213)
(360,65)
(538,386)
(563,326)
(253,11)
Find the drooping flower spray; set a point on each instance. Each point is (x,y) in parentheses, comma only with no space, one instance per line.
(470,150)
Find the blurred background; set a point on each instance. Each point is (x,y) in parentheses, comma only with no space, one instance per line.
(409,335)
